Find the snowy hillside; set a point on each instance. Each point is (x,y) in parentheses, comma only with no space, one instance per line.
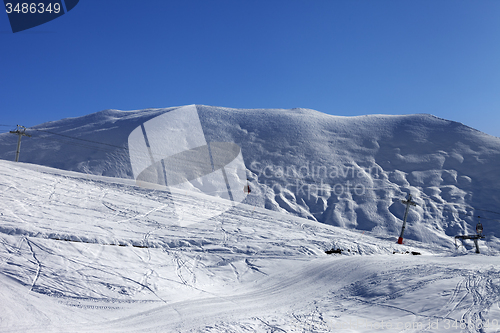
(350,172)
(82,253)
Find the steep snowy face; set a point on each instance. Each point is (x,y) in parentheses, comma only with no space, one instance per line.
(354,171)
(351,172)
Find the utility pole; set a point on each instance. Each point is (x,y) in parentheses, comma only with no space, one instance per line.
(408,203)
(20,131)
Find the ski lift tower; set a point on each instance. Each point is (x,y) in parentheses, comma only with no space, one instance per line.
(20,131)
(475,238)
(408,203)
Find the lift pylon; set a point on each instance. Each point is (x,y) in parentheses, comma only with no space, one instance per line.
(20,131)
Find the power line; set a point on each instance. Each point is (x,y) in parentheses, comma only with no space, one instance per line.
(74,138)
(307,180)
(121,150)
(77,144)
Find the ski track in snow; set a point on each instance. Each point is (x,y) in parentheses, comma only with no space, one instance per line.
(84,255)
(38,263)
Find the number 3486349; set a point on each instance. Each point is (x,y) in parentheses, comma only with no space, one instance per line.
(32,8)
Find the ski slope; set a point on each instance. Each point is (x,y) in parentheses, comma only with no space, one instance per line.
(350,172)
(86,253)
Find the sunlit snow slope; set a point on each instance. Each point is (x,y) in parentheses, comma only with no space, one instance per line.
(350,172)
(81,253)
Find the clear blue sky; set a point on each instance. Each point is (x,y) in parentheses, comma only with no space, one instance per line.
(335,56)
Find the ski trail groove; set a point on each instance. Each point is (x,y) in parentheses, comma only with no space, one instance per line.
(273,328)
(452,299)
(485,294)
(39,264)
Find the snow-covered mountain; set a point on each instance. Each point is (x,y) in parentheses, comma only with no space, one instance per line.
(344,171)
(84,249)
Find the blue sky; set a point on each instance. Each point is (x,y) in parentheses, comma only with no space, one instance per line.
(338,57)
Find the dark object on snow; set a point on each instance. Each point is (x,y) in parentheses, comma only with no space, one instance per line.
(415,253)
(337,251)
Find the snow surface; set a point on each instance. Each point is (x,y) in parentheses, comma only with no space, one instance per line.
(83,249)
(81,253)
